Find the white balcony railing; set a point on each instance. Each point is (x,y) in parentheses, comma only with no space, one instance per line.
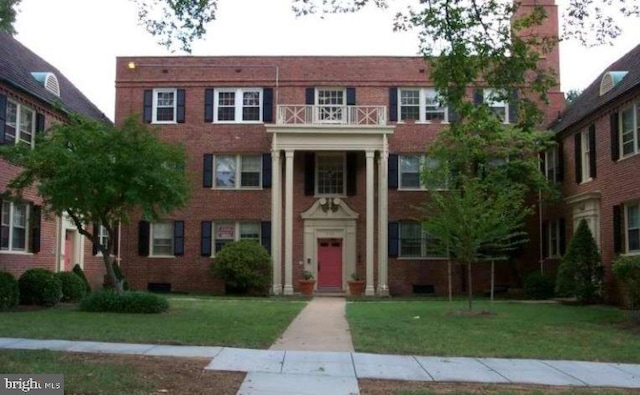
(331,115)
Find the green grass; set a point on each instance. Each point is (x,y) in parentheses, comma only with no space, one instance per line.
(251,323)
(517,330)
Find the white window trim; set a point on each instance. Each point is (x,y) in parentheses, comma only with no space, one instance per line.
(344,174)
(553,228)
(487,99)
(238,104)
(154,106)
(152,254)
(585,157)
(238,176)
(102,234)
(551,153)
(18,131)
(422,187)
(10,249)
(626,228)
(342,106)
(635,108)
(423,245)
(422,106)
(236,233)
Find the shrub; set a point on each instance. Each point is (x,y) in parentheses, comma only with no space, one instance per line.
(539,286)
(581,274)
(40,287)
(627,271)
(244,265)
(9,291)
(80,273)
(73,288)
(127,302)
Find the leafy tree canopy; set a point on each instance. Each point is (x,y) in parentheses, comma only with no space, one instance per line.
(8,11)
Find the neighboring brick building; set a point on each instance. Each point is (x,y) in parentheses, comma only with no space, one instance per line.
(599,136)
(33,95)
(315,157)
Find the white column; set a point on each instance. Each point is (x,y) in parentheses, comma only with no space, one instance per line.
(276,221)
(288,223)
(383,204)
(369,290)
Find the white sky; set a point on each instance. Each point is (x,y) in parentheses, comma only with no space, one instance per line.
(83,37)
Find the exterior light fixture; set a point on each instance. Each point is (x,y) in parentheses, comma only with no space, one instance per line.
(131,65)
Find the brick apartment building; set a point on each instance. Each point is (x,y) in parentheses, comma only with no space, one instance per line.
(33,96)
(317,158)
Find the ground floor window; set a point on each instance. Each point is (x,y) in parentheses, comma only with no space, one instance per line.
(15,226)
(162,238)
(227,232)
(632,227)
(415,242)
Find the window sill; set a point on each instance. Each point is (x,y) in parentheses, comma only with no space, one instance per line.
(422,123)
(161,256)
(422,189)
(588,180)
(422,258)
(11,252)
(632,253)
(237,122)
(238,189)
(164,123)
(628,156)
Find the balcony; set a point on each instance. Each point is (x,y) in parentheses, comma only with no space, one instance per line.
(332,115)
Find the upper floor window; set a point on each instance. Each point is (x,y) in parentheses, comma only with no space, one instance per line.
(15,226)
(630,130)
(330,174)
(551,168)
(238,171)
(238,105)
(421,104)
(585,154)
(20,124)
(632,227)
(103,236)
(330,102)
(495,99)
(415,242)
(410,170)
(227,232)
(164,105)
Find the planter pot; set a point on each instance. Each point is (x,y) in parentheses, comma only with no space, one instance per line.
(356,288)
(306,286)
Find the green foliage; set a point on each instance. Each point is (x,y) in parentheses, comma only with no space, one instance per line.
(581,273)
(9,291)
(244,265)
(80,273)
(40,287)
(73,288)
(8,10)
(127,302)
(539,286)
(627,270)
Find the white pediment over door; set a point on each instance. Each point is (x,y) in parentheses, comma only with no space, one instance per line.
(330,208)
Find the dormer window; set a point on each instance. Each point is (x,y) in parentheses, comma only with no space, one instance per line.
(610,79)
(49,81)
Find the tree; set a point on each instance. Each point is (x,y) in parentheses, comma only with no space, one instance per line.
(8,11)
(572,95)
(98,174)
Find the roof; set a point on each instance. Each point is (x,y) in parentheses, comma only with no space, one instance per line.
(590,100)
(17,62)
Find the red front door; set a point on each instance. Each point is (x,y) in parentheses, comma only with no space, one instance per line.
(330,263)
(68,251)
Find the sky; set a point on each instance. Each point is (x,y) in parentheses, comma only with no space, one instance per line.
(82,38)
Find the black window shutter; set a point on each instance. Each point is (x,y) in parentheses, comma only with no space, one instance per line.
(147,109)
(3,116)
(351,96)
(392,180)
(208,105)
(592,151)
(267,105)
(265,235)
(478,96)
(545,239)
(310,96)
(562,236)
(577,149)
(94,246)
(543,164)
(309,174)
(453,115)
(393,104)
(205,238)
(144,232)
(617,229)
(560,164)
(615,137)
(116,240)
(39,122)
(207,171)
(178,238)
(352,173)
(266,170)
(180,108)
(513,107)
(36,220)
(394,239)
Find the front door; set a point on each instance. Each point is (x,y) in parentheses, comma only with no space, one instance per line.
(330,263)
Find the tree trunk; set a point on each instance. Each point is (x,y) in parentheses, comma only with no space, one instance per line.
(449,274)
(469,288)
(116,283)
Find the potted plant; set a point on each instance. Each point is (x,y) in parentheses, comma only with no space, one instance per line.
(307,283)
(356,285)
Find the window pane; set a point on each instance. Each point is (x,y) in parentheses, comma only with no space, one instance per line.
(165,105)
(251,106)
(330,175)
(250,171)
(433,111)
(27,124)
(19,229)
(162,238)
(634,240)
(409,104)
(633,227)
(225,171)
(410,171)
(226,106)
(250,231)
(6,223)
(628,143)
(438,181)
(330,102)
(496,104)
(224,234)
(410,240)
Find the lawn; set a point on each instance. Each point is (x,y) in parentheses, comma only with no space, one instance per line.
(250,323)
(516,330)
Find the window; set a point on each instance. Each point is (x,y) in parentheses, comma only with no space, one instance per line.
(164,105)
(551,164)
(103,236)
(330,104)
(553,239)
(226,232)
(162,239)
(238,105)
(497,104)
(238,171)
(330,174)
(585,157)
(410,169)
(630,130)
(415,242)
(632,227)
(20,124)
(15,226)
(421,104)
